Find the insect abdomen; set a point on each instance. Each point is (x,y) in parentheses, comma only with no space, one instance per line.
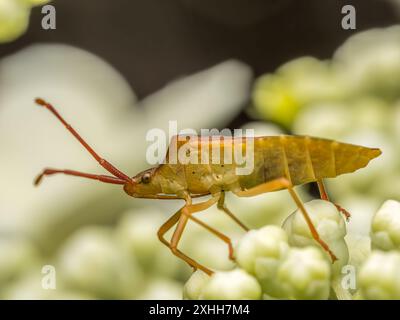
(289,157)
(303,159)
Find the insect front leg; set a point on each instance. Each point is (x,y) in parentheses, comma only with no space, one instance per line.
(165,228)
(185,213)
(283,183)
(324,196)
(222,206)
(215,232)
(176,217)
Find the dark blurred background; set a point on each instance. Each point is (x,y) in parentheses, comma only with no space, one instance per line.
(151,42)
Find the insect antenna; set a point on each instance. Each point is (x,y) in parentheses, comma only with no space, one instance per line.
(99,177)
(119,177)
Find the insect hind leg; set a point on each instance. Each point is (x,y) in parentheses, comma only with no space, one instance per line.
(324,196)
(283,183)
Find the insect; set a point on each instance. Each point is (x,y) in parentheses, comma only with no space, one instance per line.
(280,162)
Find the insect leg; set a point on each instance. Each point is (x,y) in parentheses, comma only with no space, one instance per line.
(274,185)
(324,196)
(222,206)
(104,163)
(100,177)
(164,229)
(186,211)
(322,190)
(310,224)
(283,183)
(220,235)
(167,226)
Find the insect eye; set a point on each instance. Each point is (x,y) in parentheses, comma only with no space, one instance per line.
(146,178)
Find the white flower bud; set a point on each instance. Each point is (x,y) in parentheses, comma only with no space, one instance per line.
(362,210)
(365,182)
(162,289)
(198,241)
(30,287)
(231,285)
(260,253)
(14,19)
(17,256)
(305,274)
(137,233)
(194,286)
(330,225)
(92,262)
(198,248)
(371,61)
(385,232)
(264,209)
(37,2)
(325,120)
(379,277)
(296,84)
(261,128)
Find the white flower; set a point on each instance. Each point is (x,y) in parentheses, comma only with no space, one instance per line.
(260,253)
(197,241)
(91,261)
(191,99)
(194,286)
(207,249)
(330,225)
(362,210)
(379,277)
(267,242)
(29,287)
(295,85)
(325,120)
(284,272)
(232,285)
(385,233)
(16,256)
(262,128)
(137,233)
(36,2)
(264,209)
(378,172)
(305,274)
(337,120)
(161,289)
(14,19)
(371,60)
(396,123)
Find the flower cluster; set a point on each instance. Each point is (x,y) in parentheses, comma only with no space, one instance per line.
(285,264)
(276,263)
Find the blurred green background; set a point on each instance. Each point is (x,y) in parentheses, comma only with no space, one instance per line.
(116,69)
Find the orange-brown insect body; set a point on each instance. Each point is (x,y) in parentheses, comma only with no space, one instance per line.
(299,159)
